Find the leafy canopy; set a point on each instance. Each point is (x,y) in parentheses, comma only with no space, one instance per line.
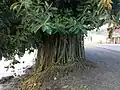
(23,23)
(63,17)
(13,39)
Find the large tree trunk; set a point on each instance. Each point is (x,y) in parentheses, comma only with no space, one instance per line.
(56,56)
(60,50)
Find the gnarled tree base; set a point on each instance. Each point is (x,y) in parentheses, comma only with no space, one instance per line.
(36,79)
(57,54)
(57,49)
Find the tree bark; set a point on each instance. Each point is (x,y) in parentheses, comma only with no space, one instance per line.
(58,49)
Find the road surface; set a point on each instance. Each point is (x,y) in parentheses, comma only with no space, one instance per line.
(114,47)
(107,76)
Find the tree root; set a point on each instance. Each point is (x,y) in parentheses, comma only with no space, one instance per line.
(37,78)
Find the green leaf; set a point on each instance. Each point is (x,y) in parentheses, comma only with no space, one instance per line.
(36,28)
(47,28)
(14,6)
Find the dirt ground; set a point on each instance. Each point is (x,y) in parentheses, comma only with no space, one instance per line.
(106,76)
(83,80)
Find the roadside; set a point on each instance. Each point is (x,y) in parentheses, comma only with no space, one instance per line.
(106,76)
(13,83)
(114,47)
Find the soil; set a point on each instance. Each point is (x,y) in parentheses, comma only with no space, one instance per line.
(76,79)
(13,83)
(106,76)
(70,81)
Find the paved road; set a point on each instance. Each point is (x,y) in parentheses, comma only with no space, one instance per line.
(107,76)
(115,47)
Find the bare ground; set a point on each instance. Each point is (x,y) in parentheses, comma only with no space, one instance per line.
(106,76)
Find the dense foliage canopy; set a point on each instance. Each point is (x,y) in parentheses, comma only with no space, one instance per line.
(23,23)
